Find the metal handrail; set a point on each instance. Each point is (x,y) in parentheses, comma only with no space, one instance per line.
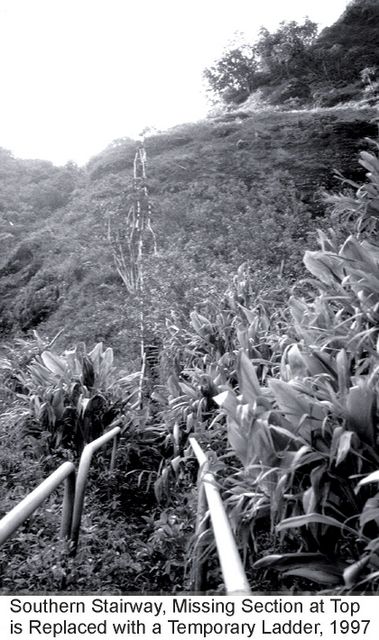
(12,520)
(82,477)
(231,565)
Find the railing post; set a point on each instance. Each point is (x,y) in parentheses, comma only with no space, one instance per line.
(114,453)
(68,506)
(81,482)
(12,520)
(200,564)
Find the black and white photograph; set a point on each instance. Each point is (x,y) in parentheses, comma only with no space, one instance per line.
(189,310)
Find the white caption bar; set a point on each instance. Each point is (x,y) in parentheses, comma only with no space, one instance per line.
(198,617)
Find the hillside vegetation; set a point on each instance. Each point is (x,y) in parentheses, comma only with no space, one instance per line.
(283,391)
(240,187)
(246,315)
(295,66)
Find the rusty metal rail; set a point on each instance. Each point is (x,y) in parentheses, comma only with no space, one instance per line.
(209,499)
(12,520)
(82,477)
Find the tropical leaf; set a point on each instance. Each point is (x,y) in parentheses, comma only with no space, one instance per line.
(372,477)
(301,411)
(344,446)
(312,566)
(106,365)
(228,402)
(326,266)
(88,373)
(96,356)
(312,518)
(54,363)
(248,379)
(326,574)
(237,440)
(296,362)
(360,402)
(353,572)
(370,512)
(286,560)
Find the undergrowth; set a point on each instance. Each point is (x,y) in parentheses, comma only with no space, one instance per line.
(278,381)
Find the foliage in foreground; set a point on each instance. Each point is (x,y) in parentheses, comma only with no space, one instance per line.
(297,407)
(53,405)
(68,399)
(286,399)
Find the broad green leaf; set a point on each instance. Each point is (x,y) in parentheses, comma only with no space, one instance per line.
(88,373)
(343,372)
(286,434)
(313,566)
(344,446)
(370,512)
(296,362)
(237,440)
(324,241)
(353,573)
(199,322)
(309,501)
(227,401)
(321,362)
(298,309)
(42,375)
(187,390)
(58,402)
(327,575)
(372,477)
(248,380)
(325,266)
(359,412)
(173,386)
(290,401)
(312,518)
(296,406)
(352,250)
(106,361)
(285,560)
(369,162)
(175,463)
(298,456)
(54,363)
(242,336)
(96,355)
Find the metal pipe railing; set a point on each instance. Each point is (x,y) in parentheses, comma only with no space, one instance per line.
(82,477)
(231,565)
(12,520)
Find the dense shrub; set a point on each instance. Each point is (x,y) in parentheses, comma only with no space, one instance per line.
(298,400)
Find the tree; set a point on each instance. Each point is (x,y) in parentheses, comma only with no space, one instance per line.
(232,77)
(281,52)
(242,69)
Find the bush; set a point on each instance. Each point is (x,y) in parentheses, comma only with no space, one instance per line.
(297,399)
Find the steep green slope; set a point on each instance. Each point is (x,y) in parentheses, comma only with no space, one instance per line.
(244,186)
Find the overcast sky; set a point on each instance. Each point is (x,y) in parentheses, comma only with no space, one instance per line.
(76,74)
